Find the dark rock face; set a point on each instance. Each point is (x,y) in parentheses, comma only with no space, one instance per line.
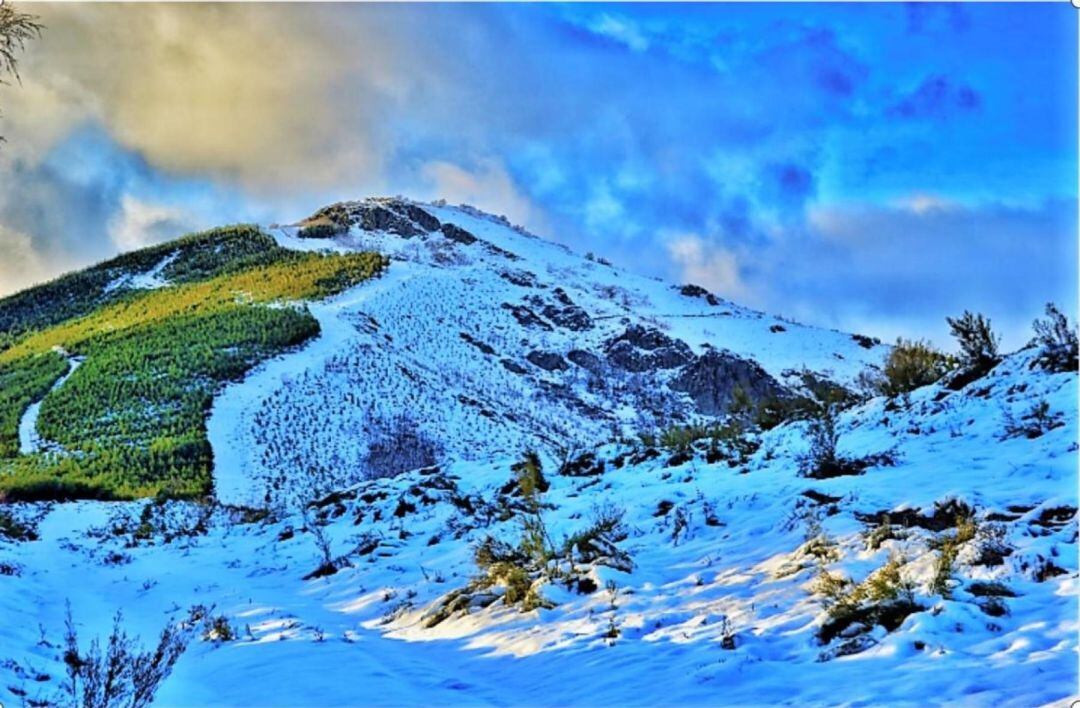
(549,361)
(458,234)
(584,465)
(526,317)
(645,349)
(691,290)
(564,312)
(521,278)
(426,221)
(513,367)
(586,360)
(711,381)
(394,216)
(379,218)
(482,346)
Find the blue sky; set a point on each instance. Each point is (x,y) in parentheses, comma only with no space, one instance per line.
(870,167)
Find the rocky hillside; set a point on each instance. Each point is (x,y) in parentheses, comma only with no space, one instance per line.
(451,462)
(482,340)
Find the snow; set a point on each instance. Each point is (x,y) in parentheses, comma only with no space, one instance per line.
(29,439)
(670,609)
(728,558)
(398,348)
(150,280)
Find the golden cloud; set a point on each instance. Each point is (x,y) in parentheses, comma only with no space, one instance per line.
(252,92)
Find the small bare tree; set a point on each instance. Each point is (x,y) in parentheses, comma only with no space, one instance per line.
(121,673)
(16,29)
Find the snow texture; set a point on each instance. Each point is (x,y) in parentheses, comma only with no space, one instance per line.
(720,606)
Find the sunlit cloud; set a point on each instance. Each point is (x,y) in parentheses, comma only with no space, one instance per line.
(808,164)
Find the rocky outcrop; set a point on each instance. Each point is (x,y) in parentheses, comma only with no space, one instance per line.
(564,312)
(641,349)
(526,317)
(395,216)
(549,361)
(712,379)
(691,290)
(586,360)
(482,346)
(458,234)
(521,278)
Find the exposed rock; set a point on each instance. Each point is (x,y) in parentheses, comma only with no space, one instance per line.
(482,346)
(645,349)
(526,317)
(691,290)
(521,278)
(425,220)
(456,233)
(513,367)
(586,360)
(865,342)
(394,216)
(712,379)
(584,465)
(565,313)
(549,361)
(498,251)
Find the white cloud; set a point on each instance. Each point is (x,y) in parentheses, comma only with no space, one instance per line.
(20,265)
(621,30)
(712,267)
(139,224)
(488,186)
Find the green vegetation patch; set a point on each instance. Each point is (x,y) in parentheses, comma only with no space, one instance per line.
(22,383)
(132,418)
(195,257)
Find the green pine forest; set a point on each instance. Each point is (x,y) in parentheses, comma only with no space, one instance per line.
(131,420)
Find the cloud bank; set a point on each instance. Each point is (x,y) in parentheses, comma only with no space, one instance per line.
(869,167)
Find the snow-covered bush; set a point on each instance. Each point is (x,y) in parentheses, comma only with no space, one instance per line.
(1056,340)
(884,598)
(1038,420)
(821,460)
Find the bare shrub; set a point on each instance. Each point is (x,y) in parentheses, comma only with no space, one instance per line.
(120,672)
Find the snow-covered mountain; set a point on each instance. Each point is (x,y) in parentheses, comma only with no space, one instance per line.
(484,340)
(380,534)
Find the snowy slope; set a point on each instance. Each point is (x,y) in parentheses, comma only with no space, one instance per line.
(438,347)
(727,559)
(712,597)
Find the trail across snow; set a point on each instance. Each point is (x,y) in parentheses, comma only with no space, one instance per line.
(29,439)
(236,478)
